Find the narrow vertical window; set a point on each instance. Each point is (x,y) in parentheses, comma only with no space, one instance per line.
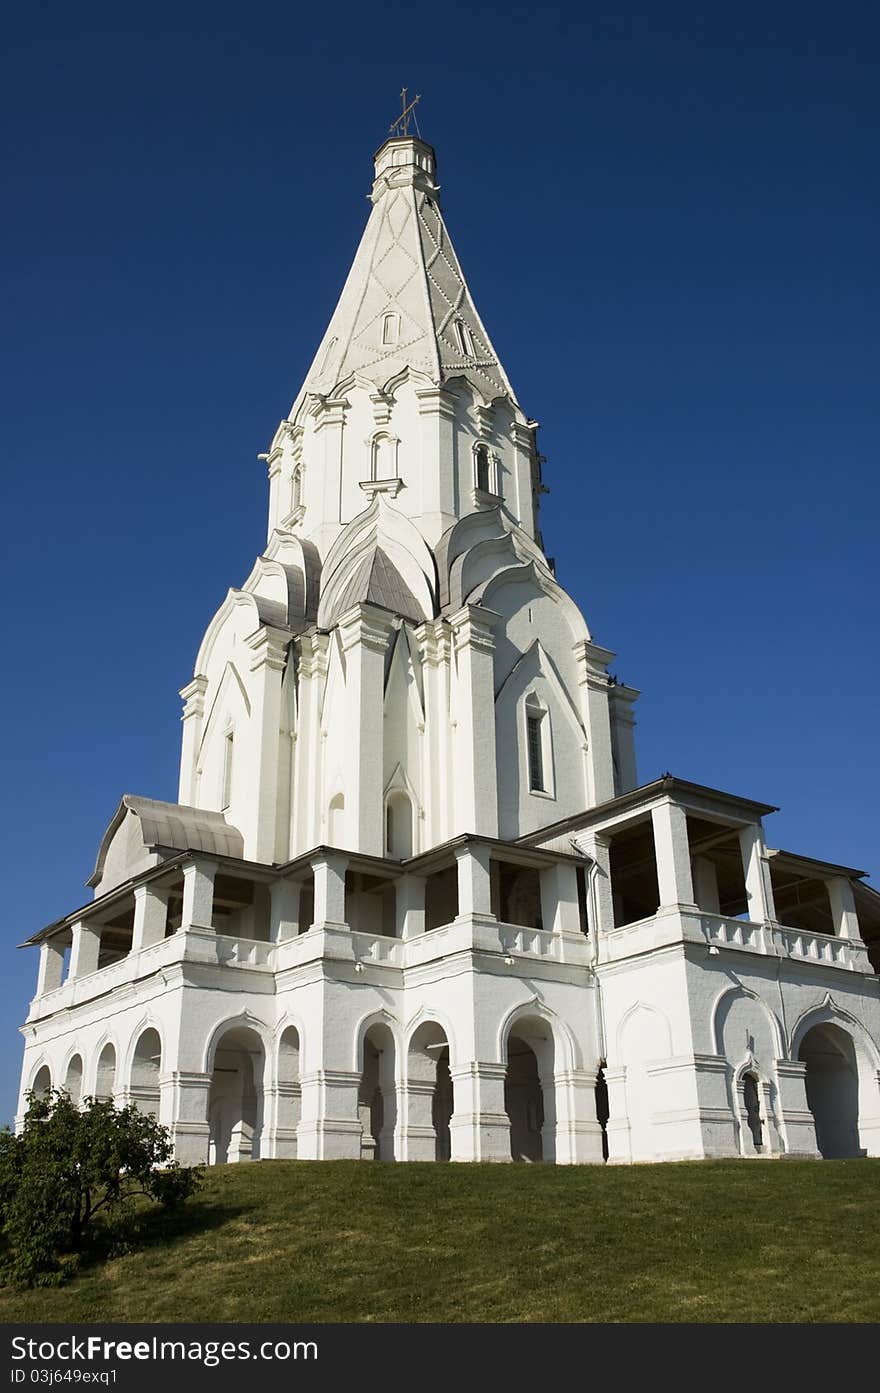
(752,1103)
(465,342)
(228,745)
(483,469)
(390,328)
(389,830)
(325,361)
(536,753)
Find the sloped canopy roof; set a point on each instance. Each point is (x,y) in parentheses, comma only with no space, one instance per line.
(172,825)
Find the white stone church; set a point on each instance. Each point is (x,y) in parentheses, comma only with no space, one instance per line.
(413,903)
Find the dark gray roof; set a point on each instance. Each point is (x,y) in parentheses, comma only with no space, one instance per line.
(377,581)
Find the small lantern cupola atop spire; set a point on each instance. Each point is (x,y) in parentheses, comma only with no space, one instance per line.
(405,161)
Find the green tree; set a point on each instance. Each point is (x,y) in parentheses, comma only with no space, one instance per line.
(73,1169)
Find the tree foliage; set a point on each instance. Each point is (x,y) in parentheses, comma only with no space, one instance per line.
(73,1171)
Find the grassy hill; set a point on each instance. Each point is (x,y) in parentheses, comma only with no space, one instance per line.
(343,1241)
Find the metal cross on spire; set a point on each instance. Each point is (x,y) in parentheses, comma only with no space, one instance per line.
(400,126)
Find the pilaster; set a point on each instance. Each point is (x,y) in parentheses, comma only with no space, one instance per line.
(436,408)
(592,662)
(269,649)
(365,632)
(435,651)
(306,793)
(192,723)
(479,1129)
(476,788)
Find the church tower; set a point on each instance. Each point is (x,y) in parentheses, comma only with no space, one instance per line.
(401,666)
(411,903)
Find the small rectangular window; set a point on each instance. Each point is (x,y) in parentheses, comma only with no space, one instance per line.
(536,754)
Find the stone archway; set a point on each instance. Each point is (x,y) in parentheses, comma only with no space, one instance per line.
(377,1095)
(529,1091)
(73,1079)
(105,1078)
(288,1094)
(146,1066)
(429,1095)
(235,1098)
(832,1083)
(42,1081)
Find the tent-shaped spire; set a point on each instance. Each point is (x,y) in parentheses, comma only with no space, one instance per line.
(406,302)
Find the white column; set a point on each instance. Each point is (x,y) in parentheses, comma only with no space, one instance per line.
(365,633)
(759,890)
(476,782)
(559,898)
(600,899)
(198,895)
(329,891)
(184,1108)
(673,855)
(409,892)
(797,1119)
(617,1127)
(192,721)
(578,1133)
(269,657)
(84,950)
(592,664)
(843,907)
(150,916)
(284,897)
(474,881)
(706,885)
(479,1129)
(51,968)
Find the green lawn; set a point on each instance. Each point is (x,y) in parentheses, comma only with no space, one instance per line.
(349,1241)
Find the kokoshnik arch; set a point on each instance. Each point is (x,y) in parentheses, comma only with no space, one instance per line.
(412,903)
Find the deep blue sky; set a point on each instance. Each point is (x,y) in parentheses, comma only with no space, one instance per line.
(668,216)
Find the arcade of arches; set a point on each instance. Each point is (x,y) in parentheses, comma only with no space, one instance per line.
(405,1113)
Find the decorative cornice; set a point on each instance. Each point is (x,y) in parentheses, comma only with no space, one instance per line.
(366,626)
(374,486)
(314,654)
(193,695)
(329,411)
(383,403)
(435,642)
(474,627)
(436,401)
(269,647)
